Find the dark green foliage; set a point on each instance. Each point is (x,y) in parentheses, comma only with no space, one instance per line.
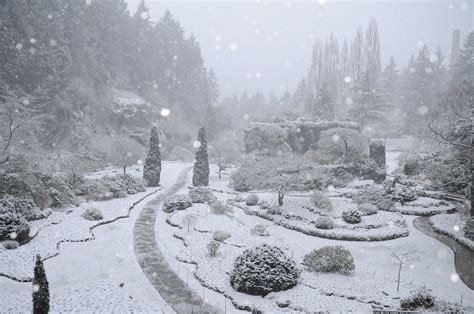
(152,167)
(330,259)
(262,270)
(201,165)
(40,289)
(420,299)
(351,216)
(14,226)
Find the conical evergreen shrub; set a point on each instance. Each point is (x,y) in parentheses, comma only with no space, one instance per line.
(40,289)
(152,167)
(201,165)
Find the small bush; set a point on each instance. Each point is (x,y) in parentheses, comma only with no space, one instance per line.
(324,223)
(177,202)
(264,205)
(238,198)
(10,245)
(22,206)
(213,248)
(260,230)
(14,227)
(240,181)
(351,216)
(251,200)
(220,208)
(404,194)
(271,271)
(368,209)
(92,214)
(330,259)
(274,211)
(372,195)
(221,236)
(420,299)
(201,194)
(321,201)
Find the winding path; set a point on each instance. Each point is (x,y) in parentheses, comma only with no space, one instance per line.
(152,262)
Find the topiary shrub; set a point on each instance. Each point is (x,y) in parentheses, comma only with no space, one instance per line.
(14,227)
(251,200)
(92,214)
(262,270)
(420,299)
(351,216)
(177,202)
(330,259)
(221,235)
(220,208)
(325,223)
(321,201)
(201,194)
(213,248)
(260,230)
(368,209)
(240,181)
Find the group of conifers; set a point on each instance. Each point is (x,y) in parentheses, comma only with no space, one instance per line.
(151,176)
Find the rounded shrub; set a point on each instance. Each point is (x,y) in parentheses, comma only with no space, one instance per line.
(92,214)
(220,236)
(274,211)
(14,227)
(240,181)
(351,216)
(251,200)
(220,208)
(262,270)
(330,259)
(368,209)
(321,201)
(324,223)
(420,299)
(177,202)
(201,194)
(260,230)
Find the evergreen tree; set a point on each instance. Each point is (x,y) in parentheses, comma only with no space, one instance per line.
(152,167)
(201,165)
(323,106)
(464,68)
(40,288)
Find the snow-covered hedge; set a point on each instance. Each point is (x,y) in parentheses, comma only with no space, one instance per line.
(330,259)
(22,206)
(321,201)
(351,216)
(14,227)
(368,209)
(109,187)
(325,223)
(262,270)
(201,194)
(92,214)
(177,202)
(220,208)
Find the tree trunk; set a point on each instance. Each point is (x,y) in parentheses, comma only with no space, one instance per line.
(281,195)
(399,275)
(124,169)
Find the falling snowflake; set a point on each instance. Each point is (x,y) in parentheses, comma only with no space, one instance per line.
(165,112)
(335,137)
(258,75)
(145,15)
(433,58)
(88,2)
(456,228)
(197,144)
(32,51)
(422,110)
(155,86)
(454,277)
(50,16)
(233,47)
(32,40)
(52,42)
(19,46)
(246,117)
(139,162)
(322,2)
(175,58)
(36,287)
(13,235)
(26,102)
(347,79)
(349,101)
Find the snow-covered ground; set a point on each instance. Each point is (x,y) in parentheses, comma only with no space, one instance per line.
(102,275)
(452,225)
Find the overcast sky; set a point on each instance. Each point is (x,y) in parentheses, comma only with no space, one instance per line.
(266,45)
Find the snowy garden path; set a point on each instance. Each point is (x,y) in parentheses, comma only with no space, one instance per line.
(163,278)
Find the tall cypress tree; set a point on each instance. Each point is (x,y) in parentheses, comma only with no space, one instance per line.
(152,167)
(201,165)
(40,289)
(323,107)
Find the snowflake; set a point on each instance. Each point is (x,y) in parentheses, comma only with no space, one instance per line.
(335,137)
(52,42)
(258,75)
(13,235)
(32,40)
(197,144)
(19,46)
(88,2)
(347,79)
(36,287)
(233,47)
(454,277)
(165,112)
(433,58)
(246,117)
(422,110)
(349,101)
(456,228)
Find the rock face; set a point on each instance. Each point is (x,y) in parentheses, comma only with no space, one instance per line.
(377,152)
(297,136)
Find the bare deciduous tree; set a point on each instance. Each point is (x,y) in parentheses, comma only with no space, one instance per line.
(401,260)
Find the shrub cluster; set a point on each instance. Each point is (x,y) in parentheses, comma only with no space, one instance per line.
(213,248)
(220,235)
(274,210)
(201,194)
(109,187)
(262,270)
(92,214)
(260,230)
(21,206)
(177,202)
(324,223)
(14,227)
(239,180)
(351,216)
(220,208)
(321,201)
(368,209)
(330,259)
(420,299)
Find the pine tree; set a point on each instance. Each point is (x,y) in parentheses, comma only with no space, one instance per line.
(464,68)
(40,288)
(201,165)
(323,106)
(152,167)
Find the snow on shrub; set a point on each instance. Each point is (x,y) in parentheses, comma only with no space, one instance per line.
(264,205)
(404,194)
(220,208)
(368,209)
(260,230)
(351,216)
(14,227)
(201,194)
(177,202)
(213,248)
(121,185)
(262,270)
(10,245)
(21,206)
(274,211)
(324,223)
(240,181)
(58,191)
(221,235)
(92,214)
(330,259)
(238,198)
(340,145)
(420,299)
(251,200)
(321,201)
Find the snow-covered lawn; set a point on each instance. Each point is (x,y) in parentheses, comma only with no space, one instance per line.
(453,226)
(102,275)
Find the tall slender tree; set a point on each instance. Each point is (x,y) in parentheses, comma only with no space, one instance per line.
(40,289)
(152,167)
(201,164)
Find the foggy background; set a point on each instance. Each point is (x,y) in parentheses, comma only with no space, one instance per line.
(266,45)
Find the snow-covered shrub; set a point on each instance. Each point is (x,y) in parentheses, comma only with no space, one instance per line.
(404,194)
(351,216)
(14,227)
(371,195)
(385,204)
(238,198)
(260,230)
(58,191)
(21,206)
(368,209)
(321,201)
(239,180)
(264,205)
(221,235)
(340,145)
(10,245)
(251,200)
(213,248)
(121,185)
(330,259)
(201,194)
(274,210)
(420,299)
(324,223)
(220,208)
(262,270)
(177,202)
(94,190)
(12,185)
(92,214)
